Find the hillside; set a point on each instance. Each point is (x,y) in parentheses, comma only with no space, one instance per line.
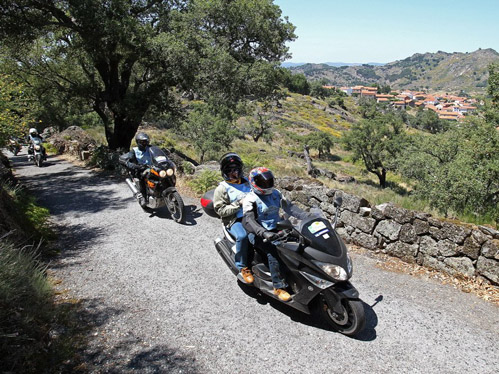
(441,71)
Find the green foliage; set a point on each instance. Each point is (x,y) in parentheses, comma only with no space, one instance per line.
(125,59)
(206,181)
(457,170)
(377,142)
(207,131)
(320,141)
(105,158)
(14,110)
(427,120)
(296,83)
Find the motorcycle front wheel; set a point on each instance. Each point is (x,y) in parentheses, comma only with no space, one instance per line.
(350,320)
(39,160)
(175,206)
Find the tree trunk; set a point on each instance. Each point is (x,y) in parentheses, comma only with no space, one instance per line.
(382,178)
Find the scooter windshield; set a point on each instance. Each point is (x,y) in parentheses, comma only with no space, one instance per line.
(159,157)
(317,229)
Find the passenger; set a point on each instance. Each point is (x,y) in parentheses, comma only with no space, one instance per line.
(260,216)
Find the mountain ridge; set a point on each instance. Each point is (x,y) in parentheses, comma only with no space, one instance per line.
(439,71)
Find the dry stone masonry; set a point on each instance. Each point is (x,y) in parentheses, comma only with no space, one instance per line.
(415,237)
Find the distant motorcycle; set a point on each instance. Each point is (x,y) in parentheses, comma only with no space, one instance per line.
(14,146)
(37,152)
(318,263)
(160,183)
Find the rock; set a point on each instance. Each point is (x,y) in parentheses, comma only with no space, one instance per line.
(388,229)
(460,265)
(405,251)
(353,203)
(490,249)
(73,140)
(454,232)
(364,240)
(365,224)
(428,246)
(408,234)
(488,268)
(489,231)
(470,248)
(421,227)
(398,214)
(446,248)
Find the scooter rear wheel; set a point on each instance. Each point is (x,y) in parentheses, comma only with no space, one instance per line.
(350,321)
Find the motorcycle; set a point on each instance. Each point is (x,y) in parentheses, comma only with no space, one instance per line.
(14,146)
(38,154)
(160,183)
(318,265)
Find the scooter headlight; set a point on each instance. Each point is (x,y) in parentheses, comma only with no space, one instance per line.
(170,172)
(162,173)
(334,271)
(37,147)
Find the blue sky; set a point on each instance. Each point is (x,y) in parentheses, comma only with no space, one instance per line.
(385,31)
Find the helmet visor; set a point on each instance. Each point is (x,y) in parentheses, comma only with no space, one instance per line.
(265,180)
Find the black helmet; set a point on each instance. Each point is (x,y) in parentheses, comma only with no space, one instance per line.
(230,161)
(142,140)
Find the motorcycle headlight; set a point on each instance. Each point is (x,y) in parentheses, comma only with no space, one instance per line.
(169,172)
(162,173)
(334,271)
(37,147)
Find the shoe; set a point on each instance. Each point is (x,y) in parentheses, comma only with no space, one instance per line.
(283,295)
(247,275)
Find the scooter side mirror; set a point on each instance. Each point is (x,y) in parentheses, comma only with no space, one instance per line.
(284,225)
(338,201)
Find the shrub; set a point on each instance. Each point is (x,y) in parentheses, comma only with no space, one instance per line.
(207,180)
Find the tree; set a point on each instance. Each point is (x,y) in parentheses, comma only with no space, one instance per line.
(321,141)
(130,57)
(295,82)
(457,170)
(207,131)
(428,120)
(15,110)
(377,142)
(260,121)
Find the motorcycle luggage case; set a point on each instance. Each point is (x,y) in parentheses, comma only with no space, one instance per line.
(207,204)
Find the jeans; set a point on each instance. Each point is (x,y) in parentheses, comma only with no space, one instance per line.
(270,250)
(238,231)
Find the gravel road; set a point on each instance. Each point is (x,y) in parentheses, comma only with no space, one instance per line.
(161,300)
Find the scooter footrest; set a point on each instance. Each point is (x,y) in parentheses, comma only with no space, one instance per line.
(262,271)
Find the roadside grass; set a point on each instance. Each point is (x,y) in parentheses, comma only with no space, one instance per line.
(37,333)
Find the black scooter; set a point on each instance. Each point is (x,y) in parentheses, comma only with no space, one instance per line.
(317,262)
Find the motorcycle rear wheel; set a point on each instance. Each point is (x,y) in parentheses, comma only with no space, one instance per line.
(350,321)
(175,206)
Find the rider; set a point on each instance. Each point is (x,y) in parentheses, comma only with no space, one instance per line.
(32,137)
(139,159)
(227,202)
(260,216)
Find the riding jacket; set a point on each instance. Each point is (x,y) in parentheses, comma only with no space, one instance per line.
(226,200)
(261,212)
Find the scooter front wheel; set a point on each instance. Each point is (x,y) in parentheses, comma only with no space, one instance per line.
(349,319)
(175,205)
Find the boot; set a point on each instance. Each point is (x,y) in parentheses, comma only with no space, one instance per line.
(283,295)
(247,275)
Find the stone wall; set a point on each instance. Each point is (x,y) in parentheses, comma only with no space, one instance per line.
(457,249)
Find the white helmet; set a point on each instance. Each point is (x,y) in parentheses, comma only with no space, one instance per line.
(33,131)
